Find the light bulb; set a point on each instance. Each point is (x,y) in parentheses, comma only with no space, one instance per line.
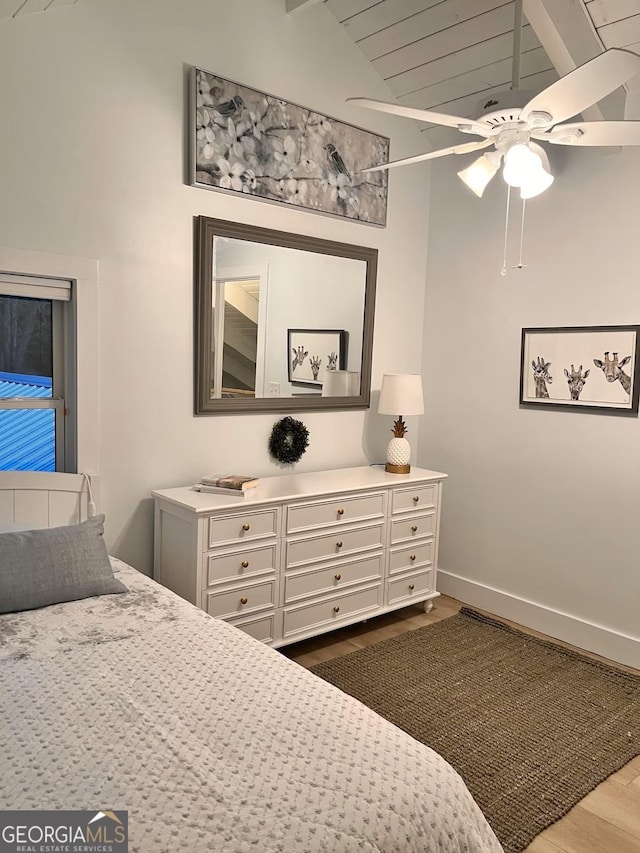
(519,162)
(540,178)
(535,183)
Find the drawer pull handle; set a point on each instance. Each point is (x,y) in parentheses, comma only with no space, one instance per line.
(338,576)
(338,544)
(246,526)
(245,564)
(411,586)
(414,529)
(336,609)
(416,499)
(340,511)
(243,600)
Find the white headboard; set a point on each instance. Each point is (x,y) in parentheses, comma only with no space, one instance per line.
(41,499)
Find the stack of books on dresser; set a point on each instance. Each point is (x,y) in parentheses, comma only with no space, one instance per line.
(233,485)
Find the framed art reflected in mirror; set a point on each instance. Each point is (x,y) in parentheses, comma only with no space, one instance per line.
(256,290)
(315,352)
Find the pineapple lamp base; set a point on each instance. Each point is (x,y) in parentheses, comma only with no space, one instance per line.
(397,469)
(398,450)
(400,392)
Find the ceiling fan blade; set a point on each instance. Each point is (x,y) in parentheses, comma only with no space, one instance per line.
(594,133)
(469,125)
(585,86)
(464,148)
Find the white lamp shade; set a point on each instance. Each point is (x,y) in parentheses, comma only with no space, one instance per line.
(541,177)
(527,167)
(519,162)
(341,383)
(401,394)
(537,183)
(479,173)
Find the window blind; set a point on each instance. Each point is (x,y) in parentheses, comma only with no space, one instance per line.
(35,288)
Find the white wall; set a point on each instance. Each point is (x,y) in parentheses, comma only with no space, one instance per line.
(542,505)
(92,165)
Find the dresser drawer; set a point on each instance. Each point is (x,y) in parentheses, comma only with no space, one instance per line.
(314,514)
(414,498)
(301,551)
(241,564)
(242,599)
(242,526)
(410,586)
(306,617)
(261,628)
(329,579)
(420,554)
(416,527)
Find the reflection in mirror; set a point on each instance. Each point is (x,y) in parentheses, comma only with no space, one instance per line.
(341,383)
(236,368)
(278,313)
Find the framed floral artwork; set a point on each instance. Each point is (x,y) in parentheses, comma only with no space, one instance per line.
(246,141)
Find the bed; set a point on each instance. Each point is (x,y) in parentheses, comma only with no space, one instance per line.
(209,739)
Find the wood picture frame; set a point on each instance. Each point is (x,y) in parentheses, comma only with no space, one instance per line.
(586,368)
(245,141)
(311,352)
(207,230)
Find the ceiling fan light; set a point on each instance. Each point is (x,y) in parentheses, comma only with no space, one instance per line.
(519,162)
(539,178)
(479,173)
(541,154)
(537,182)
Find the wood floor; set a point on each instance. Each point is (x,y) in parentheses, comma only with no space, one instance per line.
(605,821)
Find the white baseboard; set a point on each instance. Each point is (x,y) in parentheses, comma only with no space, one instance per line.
(562,626)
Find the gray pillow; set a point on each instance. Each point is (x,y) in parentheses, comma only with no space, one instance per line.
(41,567)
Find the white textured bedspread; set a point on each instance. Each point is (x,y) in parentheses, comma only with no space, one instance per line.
(210,740)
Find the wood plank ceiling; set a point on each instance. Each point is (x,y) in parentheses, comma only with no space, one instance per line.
(450,55)
(16,8)
(443,55)
(617,22)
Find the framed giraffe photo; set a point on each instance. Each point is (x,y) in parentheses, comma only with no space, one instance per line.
(590,368)
(245,141)
(314,352)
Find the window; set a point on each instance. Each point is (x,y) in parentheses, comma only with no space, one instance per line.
(37,375)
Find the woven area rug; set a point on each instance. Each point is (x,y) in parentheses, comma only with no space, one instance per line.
(531,727)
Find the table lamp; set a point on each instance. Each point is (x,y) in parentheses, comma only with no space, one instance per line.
(341,383)
(400,392)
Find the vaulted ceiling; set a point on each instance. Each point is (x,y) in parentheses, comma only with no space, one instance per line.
(443,56)
(451,55)
(15,8)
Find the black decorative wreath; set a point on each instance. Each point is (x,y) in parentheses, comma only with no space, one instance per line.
(289,440)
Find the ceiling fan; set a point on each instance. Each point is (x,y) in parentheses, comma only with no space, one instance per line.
(515,121)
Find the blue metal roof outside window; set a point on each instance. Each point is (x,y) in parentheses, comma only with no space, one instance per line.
(27,436)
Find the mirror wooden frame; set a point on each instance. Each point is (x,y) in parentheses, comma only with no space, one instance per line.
(206,229)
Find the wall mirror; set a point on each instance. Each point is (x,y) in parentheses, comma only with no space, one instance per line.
(283,322)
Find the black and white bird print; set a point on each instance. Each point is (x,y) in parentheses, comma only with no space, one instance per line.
(228,108)
(335,159)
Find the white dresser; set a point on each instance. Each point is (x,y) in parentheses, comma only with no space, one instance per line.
(303,553)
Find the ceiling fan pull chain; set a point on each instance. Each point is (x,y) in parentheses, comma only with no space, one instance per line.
(520,264)
(503,271)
